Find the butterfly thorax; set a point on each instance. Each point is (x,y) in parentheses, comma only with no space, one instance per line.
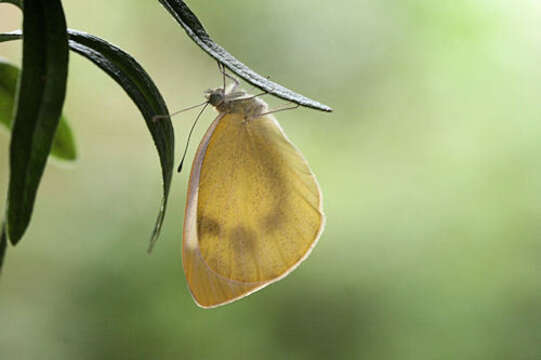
(237,102)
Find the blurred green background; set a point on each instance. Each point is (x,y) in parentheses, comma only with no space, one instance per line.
(430,169)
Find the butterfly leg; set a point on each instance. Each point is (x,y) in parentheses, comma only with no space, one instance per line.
(254,96)
(272,111)
(222,69)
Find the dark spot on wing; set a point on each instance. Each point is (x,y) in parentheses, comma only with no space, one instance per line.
(207,226)
(243,240)
(274,219)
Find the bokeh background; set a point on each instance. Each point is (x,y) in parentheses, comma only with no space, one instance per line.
(430,168)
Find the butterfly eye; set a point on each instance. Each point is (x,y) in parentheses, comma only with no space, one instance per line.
(216,98)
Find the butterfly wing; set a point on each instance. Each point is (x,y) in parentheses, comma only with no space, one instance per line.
(253,213)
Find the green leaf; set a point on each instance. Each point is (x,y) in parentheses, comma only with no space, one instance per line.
(38,106)
(63,144)
(17,3)
(11,35)
(193,27)
(8,86)
(139,86)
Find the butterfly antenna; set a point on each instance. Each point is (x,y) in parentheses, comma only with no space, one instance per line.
(190,136)
(158,117)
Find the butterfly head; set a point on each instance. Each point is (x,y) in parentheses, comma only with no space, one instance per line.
(215,97)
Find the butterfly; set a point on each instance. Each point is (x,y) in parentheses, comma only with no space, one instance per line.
(254,208)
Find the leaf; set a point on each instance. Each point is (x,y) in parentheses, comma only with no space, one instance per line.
(63,144)
(11,35)
(38,106)
(141,89)
(17,3)
(8,85)
(193,27)
(139,86)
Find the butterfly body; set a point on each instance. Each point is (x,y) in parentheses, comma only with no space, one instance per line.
(254,208)
(236,102)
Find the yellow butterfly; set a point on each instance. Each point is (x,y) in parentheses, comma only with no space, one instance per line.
(254,208)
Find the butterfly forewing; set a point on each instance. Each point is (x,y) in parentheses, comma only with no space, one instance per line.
(254,209)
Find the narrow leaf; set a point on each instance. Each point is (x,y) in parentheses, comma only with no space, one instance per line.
(127,72)
(63,144)
(193,27)
(141,89)
(40,97)
(11,35)
(8,86)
